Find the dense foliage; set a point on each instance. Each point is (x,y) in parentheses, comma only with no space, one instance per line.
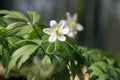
(25,51)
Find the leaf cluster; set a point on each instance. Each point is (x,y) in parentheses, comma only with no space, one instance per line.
(25,51)
(100,64)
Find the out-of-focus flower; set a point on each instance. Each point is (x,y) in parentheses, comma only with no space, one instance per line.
(71,22)
(56,31)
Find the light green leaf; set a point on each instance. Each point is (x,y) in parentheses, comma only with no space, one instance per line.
(25,30)
(35,17)
(37,41)
(16,15)
(4,12)
(98,69)
(21,55)
(19,28)
(15,25)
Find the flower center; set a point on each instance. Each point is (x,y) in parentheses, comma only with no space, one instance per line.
(72,24)
(56,31)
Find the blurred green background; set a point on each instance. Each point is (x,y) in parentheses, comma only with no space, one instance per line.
(100,18)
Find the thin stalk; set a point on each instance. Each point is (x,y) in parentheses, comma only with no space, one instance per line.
(36,31)
(38,36)
(43,49)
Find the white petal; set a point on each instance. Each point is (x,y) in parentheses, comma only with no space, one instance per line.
(71,35)
(47,31)
(66,24)
(74,32)
(61,38)
(75,17)
(61,24)
(79,27)
(53,23)
(65,31)
(69,18)
(52,38)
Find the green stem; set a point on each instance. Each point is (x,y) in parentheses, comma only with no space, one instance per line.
(43,50)
(38,36)
(36,31)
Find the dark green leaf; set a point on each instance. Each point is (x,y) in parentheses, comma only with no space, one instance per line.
(0,49)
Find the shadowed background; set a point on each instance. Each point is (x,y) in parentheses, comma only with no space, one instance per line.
(100,18)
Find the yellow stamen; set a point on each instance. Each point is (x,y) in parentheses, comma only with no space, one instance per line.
(56,31)
(72,24)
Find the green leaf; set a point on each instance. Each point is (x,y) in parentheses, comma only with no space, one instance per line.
(112,73)
(96,54)
(0,49)
(35,17)
(18,28)
(42,68)
(4,12)
(5,56)
(118,72)
(3,42)
(15,25)
(99,69)
(60,60)
(16,15)
(49,48)
(110,59)
(24,30)
(46,60)
(36,41)
(12,40)
(21,55)
(3,23)
(11,32)
(67,51)
(62,74)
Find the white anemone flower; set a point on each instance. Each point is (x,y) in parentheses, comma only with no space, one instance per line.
(56,31)
(73,25)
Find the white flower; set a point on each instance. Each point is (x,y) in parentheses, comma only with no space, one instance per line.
(56,31)
(73,25)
